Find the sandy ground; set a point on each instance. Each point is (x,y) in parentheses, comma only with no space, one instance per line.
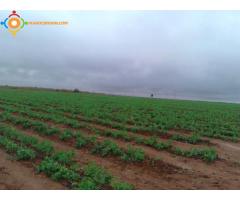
(15,175)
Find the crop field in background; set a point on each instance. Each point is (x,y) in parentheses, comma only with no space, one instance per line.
(65,140)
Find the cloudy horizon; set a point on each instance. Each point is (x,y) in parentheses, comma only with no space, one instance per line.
(172,54)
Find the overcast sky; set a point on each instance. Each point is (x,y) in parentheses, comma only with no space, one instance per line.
(175,54)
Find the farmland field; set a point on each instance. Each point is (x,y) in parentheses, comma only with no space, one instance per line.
(66,140)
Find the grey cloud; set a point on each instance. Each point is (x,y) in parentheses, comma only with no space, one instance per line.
(175,54)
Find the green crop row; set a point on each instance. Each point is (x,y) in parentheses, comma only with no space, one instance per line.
(193,139)
(209,129)
(27,142)
(201,118)
(21,153)
(207,154)
(82,141)
(151,141)
(60,166)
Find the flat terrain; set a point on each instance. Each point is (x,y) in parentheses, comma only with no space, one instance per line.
(66,140)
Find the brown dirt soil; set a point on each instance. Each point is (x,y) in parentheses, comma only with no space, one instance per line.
(14,175)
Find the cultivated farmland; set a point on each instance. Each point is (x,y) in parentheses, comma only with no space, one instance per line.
(65,140)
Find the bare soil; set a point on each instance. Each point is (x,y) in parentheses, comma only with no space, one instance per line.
(15,175)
